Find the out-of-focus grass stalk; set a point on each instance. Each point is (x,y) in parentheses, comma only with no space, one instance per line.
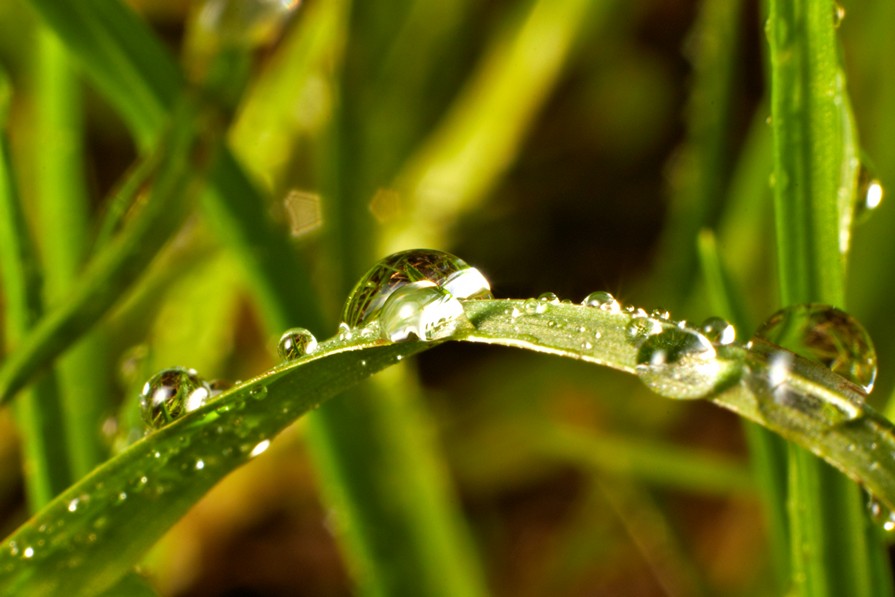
(39,413)
(63,205)
(831,550)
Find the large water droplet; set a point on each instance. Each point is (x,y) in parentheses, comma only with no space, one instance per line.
(444,270)
(679,363)
(171,393)
(421,310)
(295,343)
(601,300)
(640,328)
(823,334)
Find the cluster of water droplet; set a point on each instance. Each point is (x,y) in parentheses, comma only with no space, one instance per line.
(415,295)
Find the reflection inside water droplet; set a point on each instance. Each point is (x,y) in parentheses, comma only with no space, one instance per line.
(640,328)
(881,514)
(869,194)
(443,270)
(171,393)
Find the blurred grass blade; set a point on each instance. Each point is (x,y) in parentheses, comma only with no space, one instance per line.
(702,166)
(183,162)
(39,415)
(63,207)
(767,452)
(479,137)
(807,97)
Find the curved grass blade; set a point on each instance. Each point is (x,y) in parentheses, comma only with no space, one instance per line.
(97,530)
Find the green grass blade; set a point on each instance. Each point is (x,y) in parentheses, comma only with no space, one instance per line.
(807,100)
(767,452)
(98,529)
(39,415)
(63,206)
(183,161)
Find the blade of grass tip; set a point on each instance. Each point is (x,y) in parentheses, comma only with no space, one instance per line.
(185,153)
(39,414)
(63,206)
(767,452)
(831,551)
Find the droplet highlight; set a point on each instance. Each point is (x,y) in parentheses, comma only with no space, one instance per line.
(868,196)
(170,394)
(421,311)
(295,343)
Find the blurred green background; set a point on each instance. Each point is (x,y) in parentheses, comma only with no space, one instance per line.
(569,147)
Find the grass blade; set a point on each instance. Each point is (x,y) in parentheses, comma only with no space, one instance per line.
(95,531)
(40,413)
(807,99)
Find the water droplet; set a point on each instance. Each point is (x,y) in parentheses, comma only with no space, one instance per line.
(243,22)
(171,393)
(219,385)
(345,334)
(295,343)
(881,514)
(549,297)
(421,310)
(200,464)
(718,331)
(259,448)
(534,306)
(28,552)
(679,363)
(823,334)
(258,392)
(640,328)
(838,14)
(869,194)
(601,300)
(444,270)
(663,314)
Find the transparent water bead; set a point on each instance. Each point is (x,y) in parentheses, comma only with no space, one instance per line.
(601,300)
(444,270)
(244,22)
(423,311)
(679,363)
(823,334)
(549,298)
(171,393)
(640,328)
(869,194)
(295,343)
(881,514)
(718,330)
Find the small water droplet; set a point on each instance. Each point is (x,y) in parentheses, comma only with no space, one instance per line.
(823,334)
(534,306)
(171,393)
(200,464)
(640,328)
(295,343)
(869,194)
(258,392)
(838,14)
(259,448)
(549,297)
(881,514)
(28,552)
(248,23)
(663,314)
(344,332)
(73,505)
(679,363)
(718,331)
(423,311)
(218,386)
(602,300)
(442,269)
